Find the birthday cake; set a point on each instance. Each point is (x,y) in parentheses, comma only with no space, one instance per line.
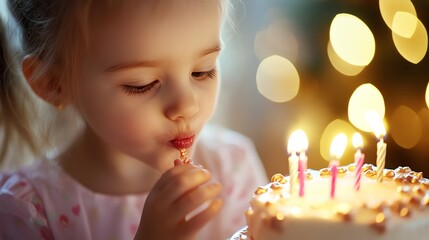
(396,208)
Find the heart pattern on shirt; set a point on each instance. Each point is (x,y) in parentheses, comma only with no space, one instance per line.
(64,220)
(133,228)
(76,210)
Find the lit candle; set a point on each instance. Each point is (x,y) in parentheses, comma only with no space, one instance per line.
(297,143)
(293,170)
(359,159)
(381,158)
(380,132)
(338,146)
(302,166)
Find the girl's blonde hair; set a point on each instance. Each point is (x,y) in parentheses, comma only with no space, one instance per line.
(29,127)
(55,32)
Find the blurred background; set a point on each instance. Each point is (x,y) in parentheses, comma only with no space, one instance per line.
(318,87)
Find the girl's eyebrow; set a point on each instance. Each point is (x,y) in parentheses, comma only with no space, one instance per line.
(142,64)
(130,65)
(213,49)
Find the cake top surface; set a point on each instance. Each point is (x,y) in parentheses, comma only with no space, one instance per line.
(402,194)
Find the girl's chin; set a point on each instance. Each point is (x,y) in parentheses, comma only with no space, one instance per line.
(164,164)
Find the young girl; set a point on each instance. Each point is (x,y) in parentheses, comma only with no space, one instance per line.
(142,76)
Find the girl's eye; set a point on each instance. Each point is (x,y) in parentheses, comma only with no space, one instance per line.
(204,75)
(136,90)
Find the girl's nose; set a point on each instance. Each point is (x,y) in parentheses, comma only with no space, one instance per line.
(182,103)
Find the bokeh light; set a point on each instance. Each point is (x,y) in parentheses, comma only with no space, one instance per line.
(277,79)
(405,127)
(404,24)
(340,65)
(277,39)
(390,9)
(377,124)
(423,144)
(334,128)
(325,86)
(427,95)
(414,48)
(352,39)
(366,98)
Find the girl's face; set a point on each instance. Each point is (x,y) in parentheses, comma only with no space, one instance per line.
(148,82)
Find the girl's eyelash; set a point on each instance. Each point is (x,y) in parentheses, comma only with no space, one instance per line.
(204,75)
(136,90)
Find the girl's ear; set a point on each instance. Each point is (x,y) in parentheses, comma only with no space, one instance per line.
(43,80)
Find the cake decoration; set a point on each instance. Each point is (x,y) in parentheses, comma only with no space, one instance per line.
(402,199)
(354,202)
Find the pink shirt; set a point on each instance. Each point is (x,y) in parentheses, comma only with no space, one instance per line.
(42,201)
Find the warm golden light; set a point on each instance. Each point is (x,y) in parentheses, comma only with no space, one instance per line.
(298,142)
(391,9)
(277,39)
(277,79)
(376,122)
(414,48)
(333,128)
(340,65)
(338,146)
(352,40)
(424,119)
(404,24)
(405,127)
(366,98)
(427,95)
(357,140)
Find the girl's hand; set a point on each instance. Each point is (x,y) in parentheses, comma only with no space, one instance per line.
(177,193)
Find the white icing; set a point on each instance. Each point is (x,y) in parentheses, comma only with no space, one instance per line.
(275,214)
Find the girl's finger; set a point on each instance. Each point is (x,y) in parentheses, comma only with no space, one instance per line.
(170,174)
(194,224)
(190,179)
(177,162)
(194,199)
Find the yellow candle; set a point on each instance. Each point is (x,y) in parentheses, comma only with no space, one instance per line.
(380,132)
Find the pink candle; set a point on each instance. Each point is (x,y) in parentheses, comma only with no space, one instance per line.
(359,159)
(298,143)
(338,146)
(334,172)
(302,168)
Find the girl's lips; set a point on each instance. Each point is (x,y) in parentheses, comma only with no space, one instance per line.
(185,142)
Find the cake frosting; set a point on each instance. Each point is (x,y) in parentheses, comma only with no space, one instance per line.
(396,208)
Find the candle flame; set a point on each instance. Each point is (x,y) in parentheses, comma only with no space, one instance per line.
(357,140)
(376,123)
(338,146)
(298,142)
